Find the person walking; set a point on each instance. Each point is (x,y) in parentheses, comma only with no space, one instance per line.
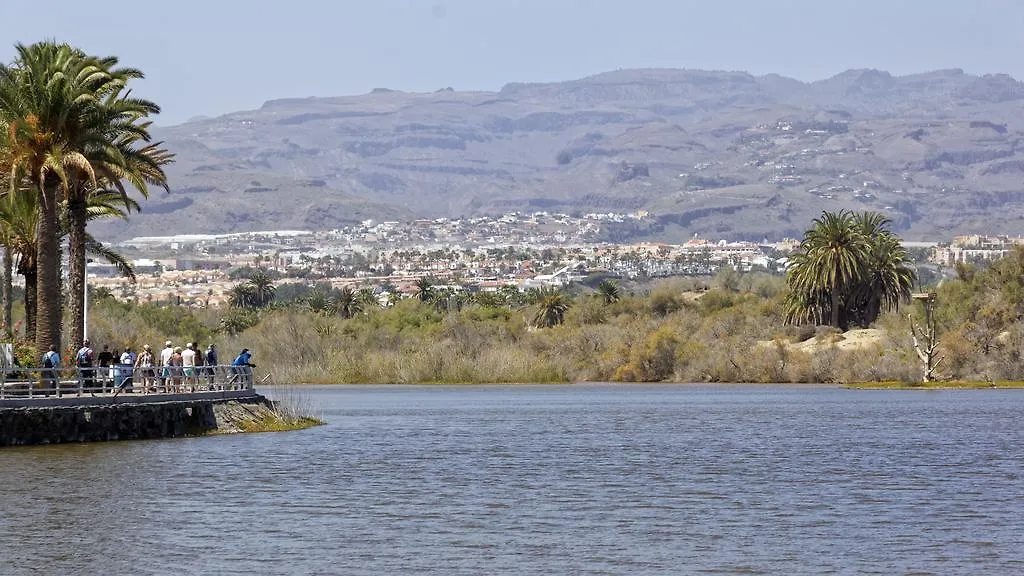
(51,366)
(188,367)
(211,366)
(199,360)
(174,369)
(105,359)
(127,370)
(144,369)
(165,371)
(84,361)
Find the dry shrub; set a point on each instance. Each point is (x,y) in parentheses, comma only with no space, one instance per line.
(960,355)
(651,361)
(587,312)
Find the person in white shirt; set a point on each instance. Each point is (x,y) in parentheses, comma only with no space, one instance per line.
(188,365)
(127,369)
(165,360)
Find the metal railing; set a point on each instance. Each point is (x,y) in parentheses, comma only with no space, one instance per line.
(119,379)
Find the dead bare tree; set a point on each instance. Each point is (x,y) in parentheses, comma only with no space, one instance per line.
(926,341)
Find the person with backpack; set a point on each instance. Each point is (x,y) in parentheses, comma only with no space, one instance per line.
(84,361)
(51,364)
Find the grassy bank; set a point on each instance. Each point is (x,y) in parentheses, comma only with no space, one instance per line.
(265,416)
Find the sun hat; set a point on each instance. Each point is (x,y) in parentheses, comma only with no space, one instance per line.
(168,343)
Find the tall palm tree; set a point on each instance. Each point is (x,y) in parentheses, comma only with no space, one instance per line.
(7,280)
(318,302)
(831,259)
(124,161)
(262,286)
(425,289)
(51,104)
(347,303)
(608,291)
(368,299)
(552,304)
(888,276)
(242,295)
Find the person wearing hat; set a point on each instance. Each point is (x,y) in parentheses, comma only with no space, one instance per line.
(165,359)
(144,368)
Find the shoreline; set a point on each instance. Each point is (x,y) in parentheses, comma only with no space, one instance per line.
(951,385)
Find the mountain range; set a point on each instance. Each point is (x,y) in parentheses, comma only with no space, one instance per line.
(716,154)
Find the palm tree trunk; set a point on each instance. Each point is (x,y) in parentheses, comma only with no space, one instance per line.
(30,302)
(7,291)
(76,271)
(48,301)
(834,319)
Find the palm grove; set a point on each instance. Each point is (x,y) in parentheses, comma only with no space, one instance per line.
(73,141)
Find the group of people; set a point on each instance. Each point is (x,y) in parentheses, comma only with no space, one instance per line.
(173,370)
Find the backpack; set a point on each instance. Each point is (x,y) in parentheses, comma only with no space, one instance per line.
(84,358)
(47,361)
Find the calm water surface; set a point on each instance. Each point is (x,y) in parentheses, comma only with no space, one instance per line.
(582,479)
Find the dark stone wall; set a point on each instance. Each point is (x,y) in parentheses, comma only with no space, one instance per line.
(57,424)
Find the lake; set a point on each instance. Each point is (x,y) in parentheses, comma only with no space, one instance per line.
(573,479)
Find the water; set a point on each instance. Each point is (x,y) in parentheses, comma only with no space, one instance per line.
(594,479)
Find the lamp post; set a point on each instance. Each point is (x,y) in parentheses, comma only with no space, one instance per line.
(85,300)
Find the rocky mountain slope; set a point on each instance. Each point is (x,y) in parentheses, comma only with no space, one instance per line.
(721,154)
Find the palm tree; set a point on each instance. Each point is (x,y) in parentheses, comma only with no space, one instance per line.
(52,114)
(262,286)
(347,303)
(318,302)
(833,255)
(242,296)
(608,291)
(139,166)
(848,268)
(888,277)
(424,289)
(367,299)
(552,305)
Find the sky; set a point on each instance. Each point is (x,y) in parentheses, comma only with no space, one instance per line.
(210,57)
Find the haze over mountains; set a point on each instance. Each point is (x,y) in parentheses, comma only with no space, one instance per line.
(720,154)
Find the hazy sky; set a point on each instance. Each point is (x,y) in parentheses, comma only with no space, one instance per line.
(214,56)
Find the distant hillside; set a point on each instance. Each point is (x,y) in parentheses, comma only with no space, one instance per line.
(721,154)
